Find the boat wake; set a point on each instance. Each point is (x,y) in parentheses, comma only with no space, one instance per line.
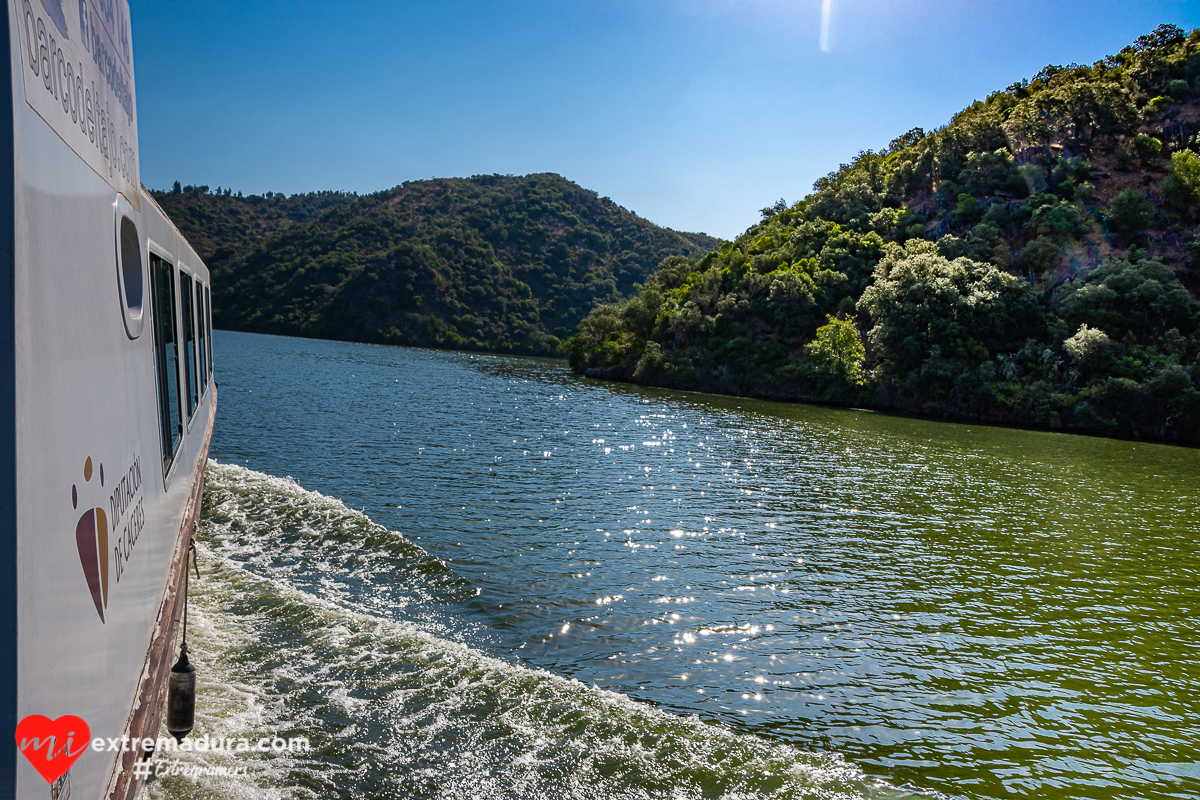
(308,623)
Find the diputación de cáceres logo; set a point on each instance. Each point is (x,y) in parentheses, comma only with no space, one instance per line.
(126,507)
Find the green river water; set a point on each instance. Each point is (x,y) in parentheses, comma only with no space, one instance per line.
(480,576)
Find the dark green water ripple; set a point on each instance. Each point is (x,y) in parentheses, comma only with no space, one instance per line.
(978,611)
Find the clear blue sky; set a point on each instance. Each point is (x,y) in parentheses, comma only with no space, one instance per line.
(693,113)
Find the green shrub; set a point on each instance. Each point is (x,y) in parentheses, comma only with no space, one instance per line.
(991,173)
(838,350)
(1088,345)
(1159,103)
(1191,252)
(967,210)
(1055,218)
(921,300)
(1181,189)
(1146,147)
(1130,214)
(650,362)
(1039,256)
(1073,168)
(1142,299)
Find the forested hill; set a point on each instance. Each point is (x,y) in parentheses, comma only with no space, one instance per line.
(221,225)
(1035,261)
(493,262)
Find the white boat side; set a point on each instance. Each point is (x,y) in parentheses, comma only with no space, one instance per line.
(84,370)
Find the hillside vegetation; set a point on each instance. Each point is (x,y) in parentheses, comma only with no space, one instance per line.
(1035,261)
(221,225)
(493,262)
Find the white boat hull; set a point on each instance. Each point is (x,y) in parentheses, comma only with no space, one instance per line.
(87,633)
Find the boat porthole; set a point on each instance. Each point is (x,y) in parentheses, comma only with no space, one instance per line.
(130,268)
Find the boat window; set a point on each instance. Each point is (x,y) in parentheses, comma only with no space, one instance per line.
(208,326)
(188,306)
(131,277)
(202,337)
(130,269)
(166,352)
(131,264)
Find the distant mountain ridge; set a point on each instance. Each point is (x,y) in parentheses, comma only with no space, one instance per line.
(492,262)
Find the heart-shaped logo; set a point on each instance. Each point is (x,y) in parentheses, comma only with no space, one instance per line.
(52,745)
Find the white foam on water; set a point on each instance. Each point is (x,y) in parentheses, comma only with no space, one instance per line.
(394,710)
